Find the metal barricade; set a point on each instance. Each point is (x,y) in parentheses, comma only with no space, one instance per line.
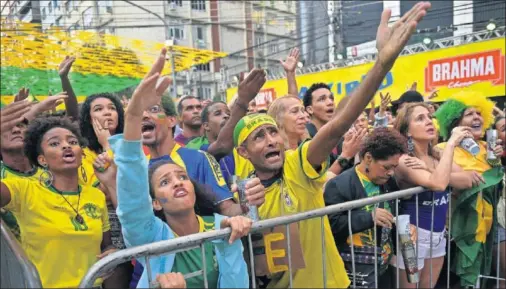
(17,271)
(197,240)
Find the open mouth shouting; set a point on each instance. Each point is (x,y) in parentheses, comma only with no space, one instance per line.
(273,156)
(180,193)
(147,129)
(69,156)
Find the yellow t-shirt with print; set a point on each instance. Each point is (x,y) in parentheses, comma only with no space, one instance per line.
(8,173)
(467,161)
(62,249)
(89,178)
(301,189)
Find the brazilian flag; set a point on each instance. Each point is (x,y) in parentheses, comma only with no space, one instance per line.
(474,224)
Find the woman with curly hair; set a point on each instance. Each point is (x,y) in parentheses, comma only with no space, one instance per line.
(101,116)
(373,176)
(64,224)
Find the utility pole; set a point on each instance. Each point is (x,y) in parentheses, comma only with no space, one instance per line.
(169,42)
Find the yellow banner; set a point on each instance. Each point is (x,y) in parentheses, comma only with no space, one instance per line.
(470,67)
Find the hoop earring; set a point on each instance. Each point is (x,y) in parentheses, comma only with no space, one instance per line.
(46,177)
(411,146)
(83,174)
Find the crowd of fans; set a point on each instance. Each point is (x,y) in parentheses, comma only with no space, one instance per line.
(111,174)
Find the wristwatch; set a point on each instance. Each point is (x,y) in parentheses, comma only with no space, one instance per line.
(343,162)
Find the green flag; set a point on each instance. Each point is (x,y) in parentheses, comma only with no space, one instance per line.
(197,143)
(474,222)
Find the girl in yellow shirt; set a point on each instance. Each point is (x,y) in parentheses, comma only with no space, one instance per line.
(64,225)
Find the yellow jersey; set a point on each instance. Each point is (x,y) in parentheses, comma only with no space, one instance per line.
(467,161)
(89,177)
(300,189)
(9,173)
(61,248)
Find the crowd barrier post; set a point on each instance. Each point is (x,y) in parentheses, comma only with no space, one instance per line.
(17,270)
(197,240)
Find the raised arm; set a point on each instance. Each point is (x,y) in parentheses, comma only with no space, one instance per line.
(290,65)
(439,178)
(390,41)
(71,105)
(248,89)
(48,104)
(135,210)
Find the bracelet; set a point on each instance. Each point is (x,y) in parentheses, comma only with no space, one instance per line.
(242,106)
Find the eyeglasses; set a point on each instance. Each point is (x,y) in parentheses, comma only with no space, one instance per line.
(155,109)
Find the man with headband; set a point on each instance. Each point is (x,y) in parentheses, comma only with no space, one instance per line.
(294,179)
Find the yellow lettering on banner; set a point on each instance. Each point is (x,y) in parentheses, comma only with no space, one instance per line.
(270,254)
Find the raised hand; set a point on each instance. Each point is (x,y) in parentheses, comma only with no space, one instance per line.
(65,65)
(251,85)
(22,94)
(105,169)
(13,113)
(290,64)
(124,102)
(385,101)
(352,142)
(148,93)
(102,133)
(51,102)
(391,40)
(433,94)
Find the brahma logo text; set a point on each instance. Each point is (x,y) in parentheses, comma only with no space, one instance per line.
(465,70)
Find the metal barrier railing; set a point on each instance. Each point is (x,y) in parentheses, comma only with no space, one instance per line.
(197,240)
(17,271)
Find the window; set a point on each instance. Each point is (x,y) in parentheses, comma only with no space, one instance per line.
(176,32)
(75,5)
(87,17)
(259,39)
(67,6)
(204,92)
(273,48)
(108,6)
(44,13)
(57,22)
(176,2)
(50,7)
(203,67)
(199,5)
(272,3)
(200,33)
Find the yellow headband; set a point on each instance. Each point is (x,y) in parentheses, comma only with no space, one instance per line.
(248,124)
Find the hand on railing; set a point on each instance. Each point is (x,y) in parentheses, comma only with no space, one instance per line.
(240,227)
(171,280)
(382,218)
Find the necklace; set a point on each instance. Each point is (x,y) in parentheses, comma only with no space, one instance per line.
(78,217)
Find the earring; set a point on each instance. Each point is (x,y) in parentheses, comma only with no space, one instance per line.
(83,174)
(411,146)
(366,169)
(46,178)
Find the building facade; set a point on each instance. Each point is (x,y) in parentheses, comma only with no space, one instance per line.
(358,21)
(253,33)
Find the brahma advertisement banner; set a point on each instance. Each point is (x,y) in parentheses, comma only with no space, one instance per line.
(470,67)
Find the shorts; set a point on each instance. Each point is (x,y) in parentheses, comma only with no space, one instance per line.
(438,248)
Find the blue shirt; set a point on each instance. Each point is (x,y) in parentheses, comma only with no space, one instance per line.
(202,168)
(227,164)
(425,210)
(140,226)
